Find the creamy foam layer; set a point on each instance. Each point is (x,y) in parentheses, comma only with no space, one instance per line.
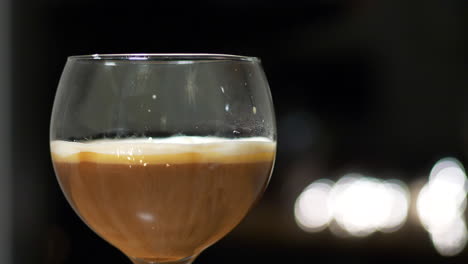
(173,150)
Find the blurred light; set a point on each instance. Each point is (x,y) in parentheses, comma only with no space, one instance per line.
(311,209)
(359,205)
(399,200)
(363,205)
(110,63)
(441,204)
(451,241)
(337,230)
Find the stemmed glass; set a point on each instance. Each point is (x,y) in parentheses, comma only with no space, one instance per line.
(162,154)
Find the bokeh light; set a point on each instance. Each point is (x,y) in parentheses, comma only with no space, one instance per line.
(311,208)
(441,205)
(399,200)
(359,205)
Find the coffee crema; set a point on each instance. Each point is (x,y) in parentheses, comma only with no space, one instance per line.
(163,199)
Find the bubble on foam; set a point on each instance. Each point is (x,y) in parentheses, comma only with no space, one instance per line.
(164,146)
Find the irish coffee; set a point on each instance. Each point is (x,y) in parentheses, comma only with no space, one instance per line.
(163,199)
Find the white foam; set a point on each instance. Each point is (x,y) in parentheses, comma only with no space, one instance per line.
(163,146)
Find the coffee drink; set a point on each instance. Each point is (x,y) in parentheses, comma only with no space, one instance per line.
(163,199)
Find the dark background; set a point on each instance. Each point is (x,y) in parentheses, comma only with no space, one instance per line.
(374,86)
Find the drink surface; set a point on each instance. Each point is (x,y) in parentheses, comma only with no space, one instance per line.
(163,199)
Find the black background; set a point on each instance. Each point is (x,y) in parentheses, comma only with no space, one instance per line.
(372,86)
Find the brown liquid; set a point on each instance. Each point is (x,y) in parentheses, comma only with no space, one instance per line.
(163,211)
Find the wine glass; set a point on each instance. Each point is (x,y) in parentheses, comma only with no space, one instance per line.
(162,154)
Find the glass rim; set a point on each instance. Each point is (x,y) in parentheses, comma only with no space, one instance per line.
(165,57)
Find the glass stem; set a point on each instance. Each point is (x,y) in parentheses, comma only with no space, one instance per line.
(187,260)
